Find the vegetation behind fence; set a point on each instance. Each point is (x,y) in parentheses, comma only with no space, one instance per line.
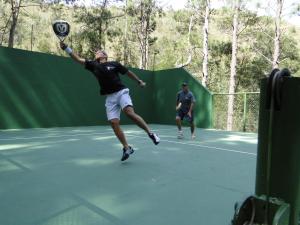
(246,110)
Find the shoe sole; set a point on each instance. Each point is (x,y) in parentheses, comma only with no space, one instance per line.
(127,156)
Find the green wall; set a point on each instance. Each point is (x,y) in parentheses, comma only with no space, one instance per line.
(41,90)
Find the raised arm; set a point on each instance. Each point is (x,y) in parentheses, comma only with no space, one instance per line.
(134,77)
(73,55)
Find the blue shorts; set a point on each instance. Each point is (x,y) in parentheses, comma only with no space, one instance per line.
(184,116)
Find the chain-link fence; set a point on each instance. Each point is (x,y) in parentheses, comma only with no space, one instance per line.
(245,111)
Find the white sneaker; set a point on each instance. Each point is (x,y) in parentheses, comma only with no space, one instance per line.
(193,136)
(154,137)
(180,134)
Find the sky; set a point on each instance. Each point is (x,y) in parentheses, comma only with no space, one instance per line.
(176,4)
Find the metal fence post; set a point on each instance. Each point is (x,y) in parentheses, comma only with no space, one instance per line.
(245,112)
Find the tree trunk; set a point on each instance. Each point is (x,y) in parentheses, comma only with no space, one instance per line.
(142,27)
(125,53)
(233,66)
(4,30)
(189,59)
(15,9)
(147,36)
(142,35)
(147,51)
(146,11)
(205,44)
(102,26)
(275,63)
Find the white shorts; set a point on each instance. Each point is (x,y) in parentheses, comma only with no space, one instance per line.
(115,102)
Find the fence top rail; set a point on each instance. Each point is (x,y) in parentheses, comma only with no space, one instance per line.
(237,93)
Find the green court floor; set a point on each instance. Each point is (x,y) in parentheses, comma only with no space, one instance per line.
(74,176)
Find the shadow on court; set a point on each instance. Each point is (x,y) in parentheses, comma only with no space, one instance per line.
(75,176)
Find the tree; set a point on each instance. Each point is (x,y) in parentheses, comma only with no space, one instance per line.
(97,25)
(15,10)
(190,46)
(205,43)
(275,62)
(12,22)
(144,24)
(125,53)
(233,64)
(275,35)
(5,20)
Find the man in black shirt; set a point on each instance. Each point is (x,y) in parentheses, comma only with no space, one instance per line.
(117,95)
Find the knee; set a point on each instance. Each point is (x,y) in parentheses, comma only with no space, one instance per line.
(114,123)
(177,119)
(129,112)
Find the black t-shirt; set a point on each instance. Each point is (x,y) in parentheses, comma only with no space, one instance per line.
(107,75)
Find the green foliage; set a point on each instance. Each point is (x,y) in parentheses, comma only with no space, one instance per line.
(96,28)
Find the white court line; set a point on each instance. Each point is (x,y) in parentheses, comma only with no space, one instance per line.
(204,146)
(53,136)
(164,140)
(206,141)
(57,136)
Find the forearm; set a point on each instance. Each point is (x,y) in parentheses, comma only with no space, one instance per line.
(132,76)
(77,58)
(178,105)
(191,107)
(72,54)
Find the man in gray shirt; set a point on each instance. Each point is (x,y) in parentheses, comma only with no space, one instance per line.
(184,107)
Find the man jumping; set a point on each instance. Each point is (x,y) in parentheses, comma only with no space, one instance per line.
(117,95)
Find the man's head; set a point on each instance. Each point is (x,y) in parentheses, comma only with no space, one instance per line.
(185,87)
(101,56)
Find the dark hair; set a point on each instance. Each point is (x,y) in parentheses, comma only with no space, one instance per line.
(184,84)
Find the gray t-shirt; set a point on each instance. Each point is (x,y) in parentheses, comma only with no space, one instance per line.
(186,100)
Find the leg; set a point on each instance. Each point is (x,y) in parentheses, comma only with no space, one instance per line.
(192,128)
(127,107)
(113,111)
(115,124)
(129,111)
(178,122)
(191,119)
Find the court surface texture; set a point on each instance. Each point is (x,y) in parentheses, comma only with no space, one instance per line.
(74,176)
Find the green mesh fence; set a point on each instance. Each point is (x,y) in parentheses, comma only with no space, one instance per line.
(245,111)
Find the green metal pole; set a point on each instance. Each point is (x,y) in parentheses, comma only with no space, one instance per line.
(245,112)
(212,111)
